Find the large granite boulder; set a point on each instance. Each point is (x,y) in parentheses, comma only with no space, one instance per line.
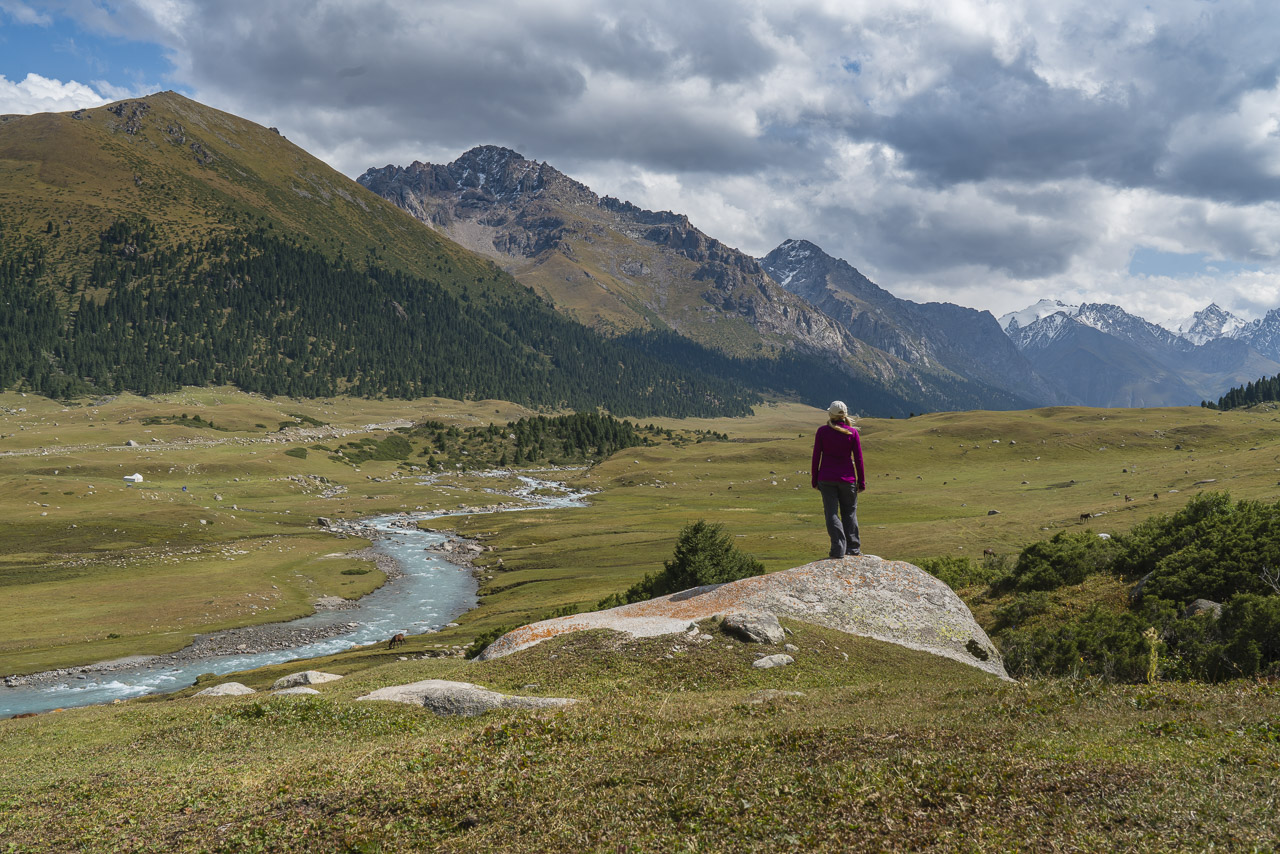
(460,698)
(306,677)
(226,689)
(887,600)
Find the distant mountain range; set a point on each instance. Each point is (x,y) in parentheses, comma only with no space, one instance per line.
(156,242)
(1104,356)
(620,268)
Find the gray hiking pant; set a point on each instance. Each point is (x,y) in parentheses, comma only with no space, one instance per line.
(840,507)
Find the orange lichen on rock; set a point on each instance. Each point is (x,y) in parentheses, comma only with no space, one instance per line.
(888,600)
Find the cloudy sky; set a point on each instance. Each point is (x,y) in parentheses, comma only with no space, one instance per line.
(986,153)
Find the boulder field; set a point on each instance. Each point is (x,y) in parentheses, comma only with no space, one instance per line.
(886,600)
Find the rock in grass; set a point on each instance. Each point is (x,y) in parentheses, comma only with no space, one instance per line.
(226,689)
(754,628)
(1203,606)
(298,689)
(306,677)
(460,698)
(888,600)
(779,660)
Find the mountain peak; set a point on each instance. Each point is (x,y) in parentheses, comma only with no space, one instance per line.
(1032,313)
(1209,324)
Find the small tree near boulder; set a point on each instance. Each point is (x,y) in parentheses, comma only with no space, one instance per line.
(704,554)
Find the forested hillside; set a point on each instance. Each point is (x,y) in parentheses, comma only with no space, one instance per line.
(1260,391)
(157,242)
(270,316)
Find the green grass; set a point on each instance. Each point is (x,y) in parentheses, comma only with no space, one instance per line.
(885,749)
(932,481)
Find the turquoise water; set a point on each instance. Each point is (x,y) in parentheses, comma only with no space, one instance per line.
(432,593)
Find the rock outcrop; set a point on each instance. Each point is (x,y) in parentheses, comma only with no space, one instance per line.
(460,698)
(226,689)
(754,628)
(890,601)
(306,677)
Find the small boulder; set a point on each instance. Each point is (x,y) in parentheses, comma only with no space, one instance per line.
(132,444)
(299,689)
(1202,606)
(779,660)
(993,512)
(226,689)
(306,677)
(754,628)
(460,698)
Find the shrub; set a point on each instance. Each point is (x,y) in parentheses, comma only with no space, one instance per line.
(300,453)
(1209,549)
(1023,607)
(1098,643)
(484,639)
(1069,558)
(960,572)
(704,554)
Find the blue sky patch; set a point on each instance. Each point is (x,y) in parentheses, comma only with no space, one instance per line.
(62,51)
(1152,262)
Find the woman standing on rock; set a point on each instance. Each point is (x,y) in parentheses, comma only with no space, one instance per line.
(838,474)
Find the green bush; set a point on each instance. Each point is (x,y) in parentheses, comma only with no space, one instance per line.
(960,572)
(1209,549)
(1023,607)
(300,453)
(704,554)
(1069,558)
(484,639)
(1098,643)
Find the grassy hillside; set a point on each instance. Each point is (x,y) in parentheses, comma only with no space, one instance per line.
(156,243)
(195,172)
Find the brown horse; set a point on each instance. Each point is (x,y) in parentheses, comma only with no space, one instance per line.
(395,641)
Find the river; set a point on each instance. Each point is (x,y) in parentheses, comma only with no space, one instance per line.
(432,592)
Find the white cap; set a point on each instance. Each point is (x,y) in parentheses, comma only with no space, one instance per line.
(837,407)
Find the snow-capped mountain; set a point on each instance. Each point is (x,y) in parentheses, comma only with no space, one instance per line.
(1209,324)
(1038,325)
(1106,356)
(1029,315)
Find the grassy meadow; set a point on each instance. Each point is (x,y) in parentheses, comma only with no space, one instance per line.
(676,745)
(221,532)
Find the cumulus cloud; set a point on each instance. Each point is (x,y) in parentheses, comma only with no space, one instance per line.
(36,94)
(989,153)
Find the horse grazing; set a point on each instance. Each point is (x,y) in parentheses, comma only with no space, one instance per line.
(1085,517)
(395,641)
(988,552)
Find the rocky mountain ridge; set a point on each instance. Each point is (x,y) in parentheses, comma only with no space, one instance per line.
(621,268)
(965,345)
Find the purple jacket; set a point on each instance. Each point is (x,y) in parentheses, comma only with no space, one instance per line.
(835,456)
